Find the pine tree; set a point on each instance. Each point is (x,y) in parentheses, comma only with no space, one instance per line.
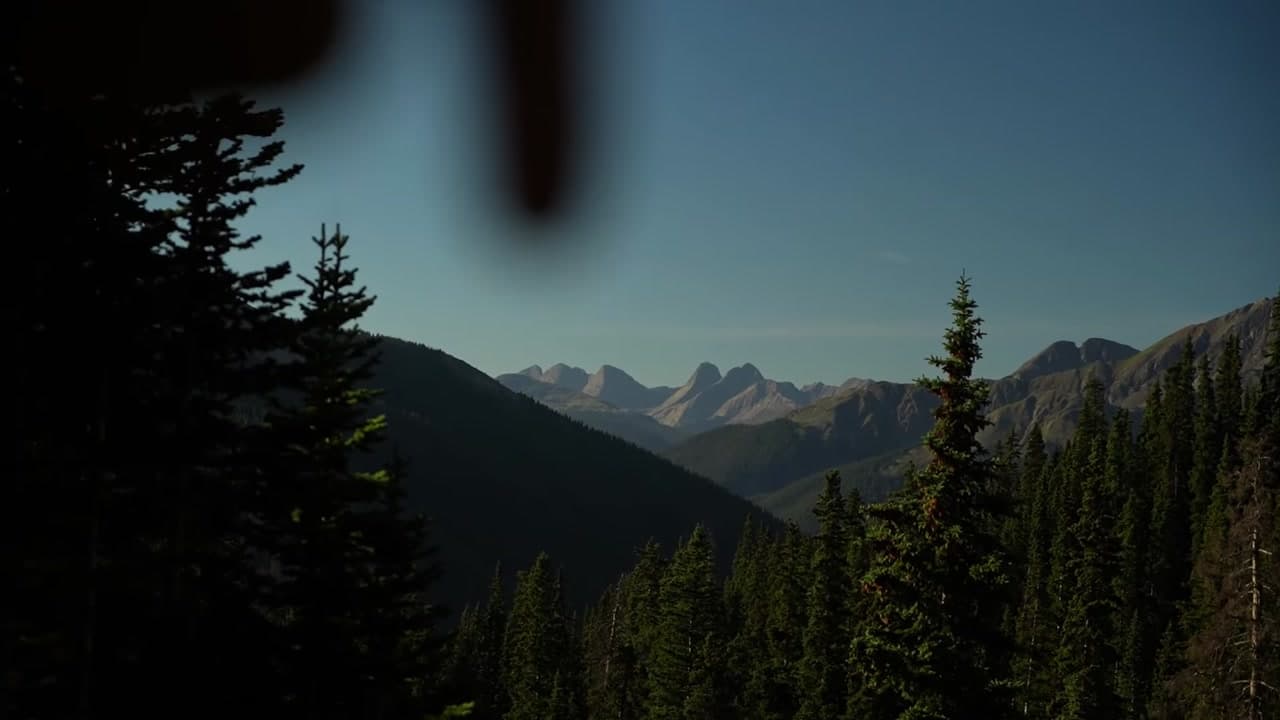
(1030,478)
(489,693)
(1229,390)
(79,613)
(856,606)
(167,570)
(1208,451)
(747,608)
(823,671)
(569,695)
(1269,382)
(1031,626)
(1171,520)
(688,621)
(609,659)
(1063,511)
(1171,456)
(788,587)
(397,621)
(642,608)
(932,646)
(534,643)
(349,556)
(459,669)
(1084,659)
(1132,591)
(1006,479)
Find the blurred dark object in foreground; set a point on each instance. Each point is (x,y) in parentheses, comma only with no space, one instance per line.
(535,53)
(155,50)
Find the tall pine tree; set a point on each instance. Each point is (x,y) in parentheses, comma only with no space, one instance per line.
(933,645)
(823,673)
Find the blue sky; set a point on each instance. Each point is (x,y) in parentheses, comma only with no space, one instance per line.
(798,184)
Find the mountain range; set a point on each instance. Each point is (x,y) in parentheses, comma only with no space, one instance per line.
(772,442)
(707,400)
(872,433)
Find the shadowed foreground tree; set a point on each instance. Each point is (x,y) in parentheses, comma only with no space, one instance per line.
(140,525)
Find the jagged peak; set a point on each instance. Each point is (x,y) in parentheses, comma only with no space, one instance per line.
(607,370)
(705,370)
(746,372)
(1095,349)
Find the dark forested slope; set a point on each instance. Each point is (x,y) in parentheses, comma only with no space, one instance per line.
(503,477)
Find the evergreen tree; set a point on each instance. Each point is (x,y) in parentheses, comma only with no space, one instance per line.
(823,671)
(80,502)
(609,659)
(1063,509)
(569,694)
(1006,478)
(688,634)
(534,645)
(1229,390)
(350,559)
(1171,520)
(1171,456)
(1030,480)
(459,669)
(1133,593)
(1084,659)
(747,608)
(1031,626)
(933,646)
(487,690)
(206,471)
(642,608)
(1269,382)
(402,650)
(1208,450)
(784,628)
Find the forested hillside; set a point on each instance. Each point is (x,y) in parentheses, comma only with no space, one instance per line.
(1130,573)
(545,481)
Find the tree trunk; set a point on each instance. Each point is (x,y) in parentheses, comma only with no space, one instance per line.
(1255,619)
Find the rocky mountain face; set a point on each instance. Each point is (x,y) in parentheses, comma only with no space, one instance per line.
(871,428)
(634,427)
(1053,399)
(613,386)
(707,400)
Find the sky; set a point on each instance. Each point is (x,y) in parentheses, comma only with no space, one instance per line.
(799,184)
